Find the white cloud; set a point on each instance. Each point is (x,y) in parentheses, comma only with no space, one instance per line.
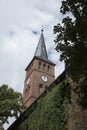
(18,20)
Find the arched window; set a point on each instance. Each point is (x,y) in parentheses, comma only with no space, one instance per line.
(48,69)
(44,66)
(39,65)
(41,88)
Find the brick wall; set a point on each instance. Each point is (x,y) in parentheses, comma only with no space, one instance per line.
(35,72)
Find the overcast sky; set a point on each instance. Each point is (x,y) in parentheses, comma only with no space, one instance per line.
(20,27)
(21,22)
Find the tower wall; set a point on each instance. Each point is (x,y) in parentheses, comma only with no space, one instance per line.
(39,73)
(35,73)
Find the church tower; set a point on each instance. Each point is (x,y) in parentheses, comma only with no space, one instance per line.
(39,74)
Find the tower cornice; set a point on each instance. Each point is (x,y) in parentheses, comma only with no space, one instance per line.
(35,57)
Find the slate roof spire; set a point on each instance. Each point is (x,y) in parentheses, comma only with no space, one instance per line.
(41,51)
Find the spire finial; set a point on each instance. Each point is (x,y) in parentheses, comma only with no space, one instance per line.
(42,29)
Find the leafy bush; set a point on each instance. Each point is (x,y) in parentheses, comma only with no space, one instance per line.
(50,112)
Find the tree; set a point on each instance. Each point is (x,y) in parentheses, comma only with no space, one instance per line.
(71,41)
(10,104)
(71,37)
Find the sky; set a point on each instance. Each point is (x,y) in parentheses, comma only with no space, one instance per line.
(21,22)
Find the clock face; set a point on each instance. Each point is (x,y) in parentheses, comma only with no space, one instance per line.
(28,81)
(44,78)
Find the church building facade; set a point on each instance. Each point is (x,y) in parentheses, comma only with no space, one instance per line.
(40,73)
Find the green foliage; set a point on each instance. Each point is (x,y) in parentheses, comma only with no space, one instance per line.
(71,41)
(71,37)
(81,90)
(50,112)
(10,103)
(1,128)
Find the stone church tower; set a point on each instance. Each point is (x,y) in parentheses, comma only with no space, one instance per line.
(39,74)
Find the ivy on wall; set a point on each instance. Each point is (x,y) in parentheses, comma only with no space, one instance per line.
(50,111)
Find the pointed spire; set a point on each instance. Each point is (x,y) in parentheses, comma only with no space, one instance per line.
(41,51)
